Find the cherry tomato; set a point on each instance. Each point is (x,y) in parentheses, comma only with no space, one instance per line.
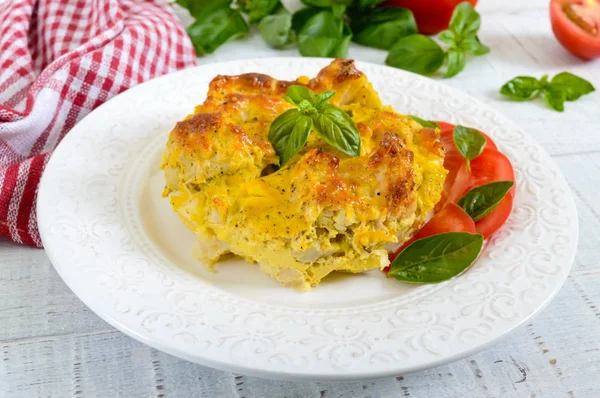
(490,166)
(493,221)
(576,25)
(432,16)
(451,218)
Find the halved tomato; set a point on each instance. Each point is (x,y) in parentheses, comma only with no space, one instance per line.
(497,217)
(451,218)
(576,25)
(490,166)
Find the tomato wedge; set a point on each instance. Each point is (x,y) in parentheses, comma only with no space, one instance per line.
(451,218)
(493,221)
(490,166)
(576,25)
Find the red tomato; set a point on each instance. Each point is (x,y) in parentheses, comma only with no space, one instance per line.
(490,166)
(453,160)
(493,221)
(576,25)
(451,218)
(432,16)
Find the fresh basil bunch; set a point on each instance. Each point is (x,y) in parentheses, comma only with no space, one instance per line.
(421,54)
(290,130)
(563,87)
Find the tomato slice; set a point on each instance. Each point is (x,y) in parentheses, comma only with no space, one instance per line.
(576,25)
(490,166)
(451,218)
(493,221)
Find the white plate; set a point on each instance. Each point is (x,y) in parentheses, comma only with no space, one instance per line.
(124,252)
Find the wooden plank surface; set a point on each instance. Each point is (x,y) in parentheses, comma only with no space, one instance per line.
(52,345)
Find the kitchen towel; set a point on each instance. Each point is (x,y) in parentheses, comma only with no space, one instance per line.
(60,59)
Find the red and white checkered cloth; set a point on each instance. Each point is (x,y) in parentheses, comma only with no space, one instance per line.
(59,59)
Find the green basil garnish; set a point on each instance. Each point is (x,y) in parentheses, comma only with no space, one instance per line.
(301,16)
(382,27)
(416,53)
(563,87)
(258,9)
(323,36)
(363,4)
(327,3)
(215,26)
(457,60)
(436,258)
(337,129)
(276,30)
(469,142)
(425,123)
(480,201)
(290,130)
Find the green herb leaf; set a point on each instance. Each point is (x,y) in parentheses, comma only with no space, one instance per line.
(465,20)
(522,88)
(258,9)
(425,123)
(276,30)
(280,131)
(573,86)
(300,17)
(555,97)
(199,9)
(297,139)
(295,94)
(480,201)
(322,36)
(382,27)
(363,4)
(416,53)
(216,27)
(470,143)
(337,129)
(436,258)
(456,62)
(341,50)
(323,98)
(327,3)
(448,37)
(472,45)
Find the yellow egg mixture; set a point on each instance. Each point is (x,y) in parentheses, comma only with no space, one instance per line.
(323,211)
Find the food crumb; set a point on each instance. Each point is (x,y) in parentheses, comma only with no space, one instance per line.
(553,361)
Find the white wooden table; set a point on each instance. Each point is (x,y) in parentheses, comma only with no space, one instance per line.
(52,345)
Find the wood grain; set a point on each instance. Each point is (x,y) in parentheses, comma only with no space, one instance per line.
(52,345)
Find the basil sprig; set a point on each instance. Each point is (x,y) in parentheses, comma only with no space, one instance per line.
(324,35)
(425,123)
(481,200)
(382,27)
(563,87)
(425,56)
(469,142)
(436,258)
(276,30)
(290,130)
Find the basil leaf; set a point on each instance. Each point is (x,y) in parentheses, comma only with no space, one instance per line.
(323,98)
(199,9)
(470,143)
(337,129)
(382,27)
(321,35)
(295,94)
(341,50)
(258,9)
(425,123)
(465,20)
(327,3)
(297,139)
(416,53)
(472,45)
(363,4)
(448,37)
(521,88)
(281,130)
(214,28)
(555,97)
(480,201)
(300,17)
(276,30)
(573,86)
(436,258)
(456,62)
